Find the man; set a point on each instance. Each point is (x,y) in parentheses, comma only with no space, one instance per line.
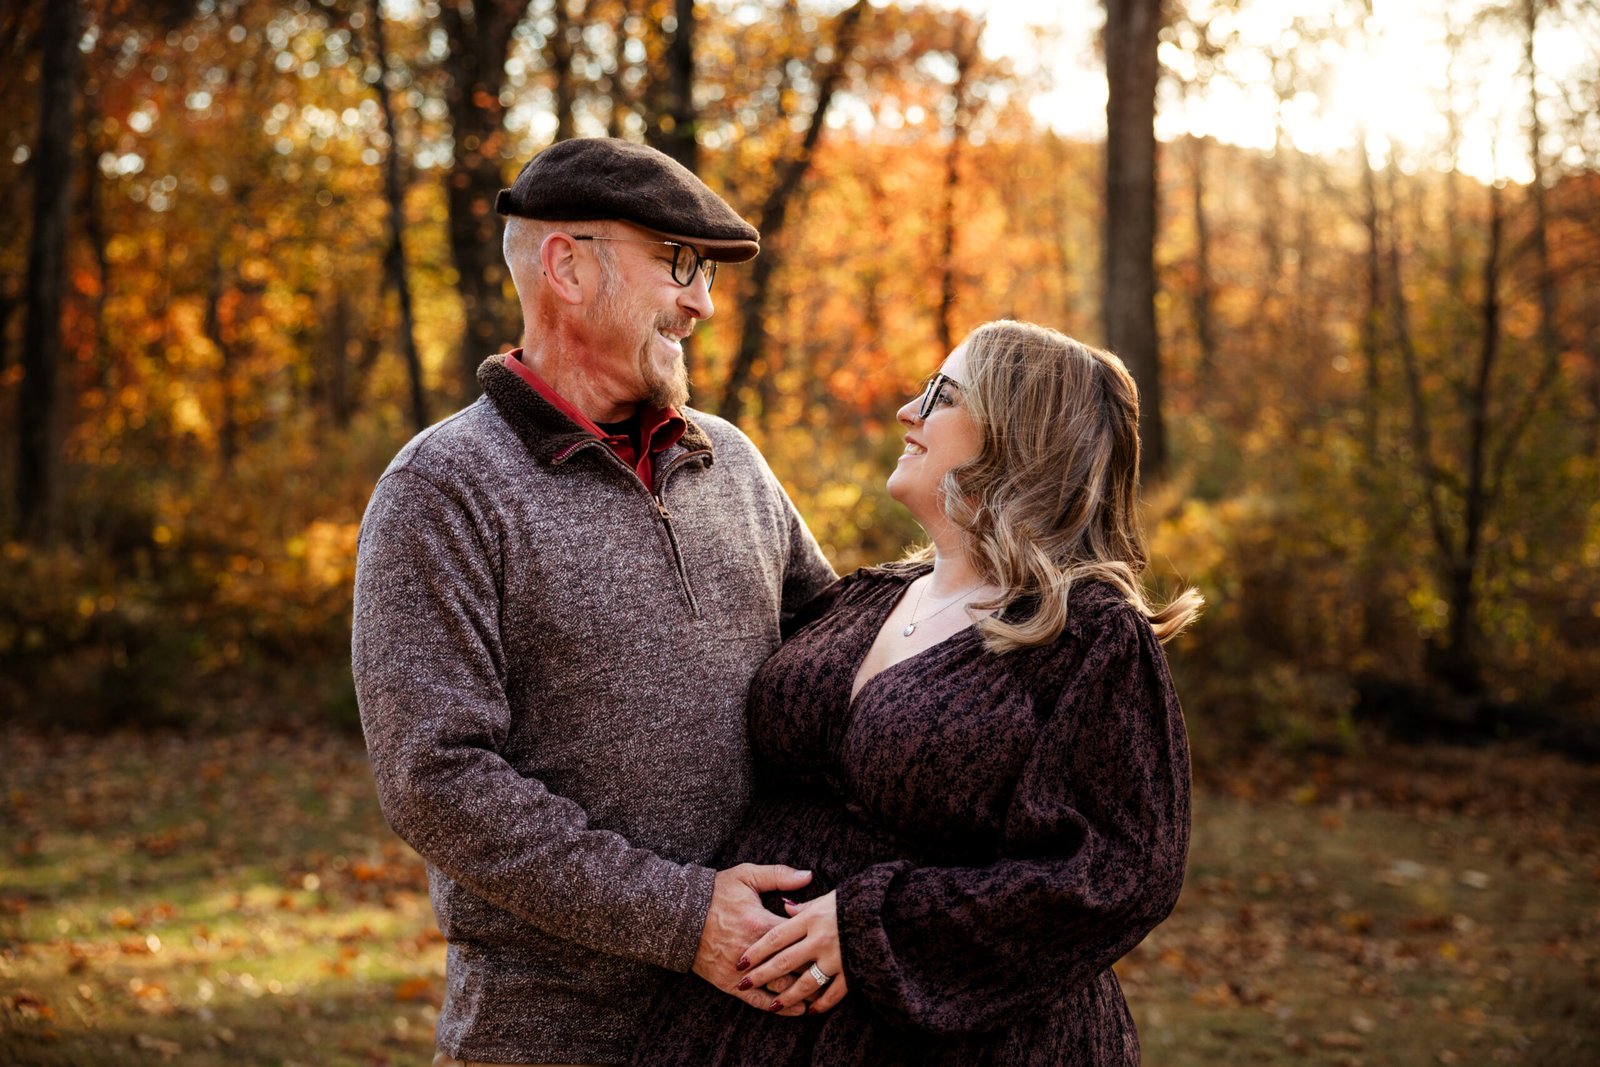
(562,593)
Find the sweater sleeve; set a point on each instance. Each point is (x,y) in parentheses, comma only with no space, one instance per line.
(1092,858)
(807,573)
(430,670)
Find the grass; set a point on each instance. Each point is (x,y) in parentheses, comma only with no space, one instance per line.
(239,900)
(1419,907)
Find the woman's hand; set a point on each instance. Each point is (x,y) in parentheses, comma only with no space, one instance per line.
(809,936)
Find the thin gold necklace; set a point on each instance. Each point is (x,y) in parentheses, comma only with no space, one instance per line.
(911,627)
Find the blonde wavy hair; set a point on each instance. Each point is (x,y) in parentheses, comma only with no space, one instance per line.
(1052,497)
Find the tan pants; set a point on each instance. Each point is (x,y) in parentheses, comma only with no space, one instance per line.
(442,1060)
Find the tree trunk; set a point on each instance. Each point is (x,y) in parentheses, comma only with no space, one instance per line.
(1421,422)
(673,127)
(790,170)
(1204,325)
(674,130)
(1549,342)
(479,34)
(966,54)
(395,255)
(40,419)
(558,54)
(1131,36)
(1373,313)
(8,308)
(1461,653)
(1456,261)
(622,99)
(95,227)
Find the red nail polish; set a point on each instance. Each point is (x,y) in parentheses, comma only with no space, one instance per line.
(776,1006)
(744,983)
(742,965)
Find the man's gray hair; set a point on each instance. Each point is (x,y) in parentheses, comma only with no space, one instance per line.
(523,237)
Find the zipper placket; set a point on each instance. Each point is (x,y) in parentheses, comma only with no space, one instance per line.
(666,522)
(660,506)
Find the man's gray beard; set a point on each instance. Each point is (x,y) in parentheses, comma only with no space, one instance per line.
(670,392)
(663,392)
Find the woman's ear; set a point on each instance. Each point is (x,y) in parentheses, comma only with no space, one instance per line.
(558,258)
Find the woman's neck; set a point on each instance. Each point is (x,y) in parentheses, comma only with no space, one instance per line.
(953,571)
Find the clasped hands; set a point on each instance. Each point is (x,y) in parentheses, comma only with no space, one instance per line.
(749,952)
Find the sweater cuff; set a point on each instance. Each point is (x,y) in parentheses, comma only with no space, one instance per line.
(696,906)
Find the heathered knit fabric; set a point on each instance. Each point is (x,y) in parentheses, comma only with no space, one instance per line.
(551,668)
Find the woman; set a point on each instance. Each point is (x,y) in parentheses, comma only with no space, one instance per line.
(978,752)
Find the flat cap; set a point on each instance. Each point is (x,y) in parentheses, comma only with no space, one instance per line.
(587,179)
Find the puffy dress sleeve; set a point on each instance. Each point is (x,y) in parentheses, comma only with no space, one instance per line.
(1092,856)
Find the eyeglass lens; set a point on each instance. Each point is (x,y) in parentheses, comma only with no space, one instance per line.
(686,260)
(930,395)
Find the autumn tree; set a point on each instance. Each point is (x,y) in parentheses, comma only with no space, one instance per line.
(674,129)
(791,165)
(39,420)
(1132,34)
(479,35)
(395,257)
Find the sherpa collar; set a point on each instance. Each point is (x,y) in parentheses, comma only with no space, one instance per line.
(545,431)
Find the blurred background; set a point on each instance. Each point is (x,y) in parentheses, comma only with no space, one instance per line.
(1350,249)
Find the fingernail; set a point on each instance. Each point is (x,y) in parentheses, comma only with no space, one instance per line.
(789,902)
(744,983)
(742,965)
(777,1005)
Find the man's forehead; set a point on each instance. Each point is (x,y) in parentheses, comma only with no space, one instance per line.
(624,228)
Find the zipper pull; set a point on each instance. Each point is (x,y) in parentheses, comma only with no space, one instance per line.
(666,516)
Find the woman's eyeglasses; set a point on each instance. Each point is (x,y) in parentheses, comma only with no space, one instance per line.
(932,392)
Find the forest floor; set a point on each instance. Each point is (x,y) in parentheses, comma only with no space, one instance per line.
(239,900)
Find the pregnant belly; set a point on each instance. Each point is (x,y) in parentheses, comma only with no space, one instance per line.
(819,834)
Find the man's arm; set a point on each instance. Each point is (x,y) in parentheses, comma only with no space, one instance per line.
(430,673)
(807,571)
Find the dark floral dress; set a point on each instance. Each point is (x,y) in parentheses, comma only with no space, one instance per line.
(1000,830)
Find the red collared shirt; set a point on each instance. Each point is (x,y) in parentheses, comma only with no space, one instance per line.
(660,427)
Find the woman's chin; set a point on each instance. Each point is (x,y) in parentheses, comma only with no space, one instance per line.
(920,509)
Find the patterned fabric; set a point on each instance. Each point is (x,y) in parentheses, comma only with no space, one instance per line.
(1000,830)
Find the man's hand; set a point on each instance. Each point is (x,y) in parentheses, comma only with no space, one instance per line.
(736,920)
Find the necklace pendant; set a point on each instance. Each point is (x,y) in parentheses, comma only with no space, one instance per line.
(910,629)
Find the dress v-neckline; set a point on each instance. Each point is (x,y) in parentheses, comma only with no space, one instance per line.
(859,685)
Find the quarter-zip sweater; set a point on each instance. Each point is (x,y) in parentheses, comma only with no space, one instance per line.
(551,662)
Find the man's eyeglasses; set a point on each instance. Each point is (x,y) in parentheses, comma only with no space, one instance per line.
(685,260)
(932,392)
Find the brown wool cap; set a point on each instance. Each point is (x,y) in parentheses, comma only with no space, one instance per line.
(587,179)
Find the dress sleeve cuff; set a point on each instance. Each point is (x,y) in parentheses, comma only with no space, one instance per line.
(869,961)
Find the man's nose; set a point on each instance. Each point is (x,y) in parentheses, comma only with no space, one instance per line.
(696,297)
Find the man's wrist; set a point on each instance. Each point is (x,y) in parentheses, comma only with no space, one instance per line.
(700,886)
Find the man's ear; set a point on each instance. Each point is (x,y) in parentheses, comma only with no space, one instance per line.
(558,258)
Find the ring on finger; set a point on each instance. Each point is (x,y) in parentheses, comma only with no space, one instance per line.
(818,977)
